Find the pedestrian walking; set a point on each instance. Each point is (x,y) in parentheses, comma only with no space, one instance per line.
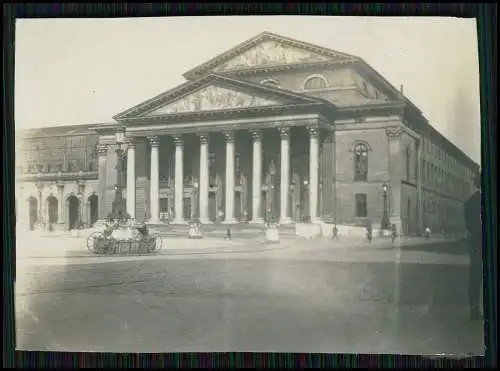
(369,232)
(394,232)
(427,233)
(473,222)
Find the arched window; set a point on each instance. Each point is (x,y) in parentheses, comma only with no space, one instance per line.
(361,161)
(271,82)
(315,82)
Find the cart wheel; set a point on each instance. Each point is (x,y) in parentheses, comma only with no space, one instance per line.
(91,240)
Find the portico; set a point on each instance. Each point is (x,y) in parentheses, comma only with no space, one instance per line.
(249,155)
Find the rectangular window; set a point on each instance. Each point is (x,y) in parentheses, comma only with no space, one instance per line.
(361,205)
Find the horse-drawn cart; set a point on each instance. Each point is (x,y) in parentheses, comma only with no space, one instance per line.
(124,237)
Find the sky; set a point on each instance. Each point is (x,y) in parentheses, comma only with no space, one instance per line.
(84,71)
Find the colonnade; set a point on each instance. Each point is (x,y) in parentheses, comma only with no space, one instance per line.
(203,199)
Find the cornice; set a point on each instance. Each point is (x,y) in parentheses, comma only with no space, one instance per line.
(221,114)
(249,124)
(285,67)
(44,177)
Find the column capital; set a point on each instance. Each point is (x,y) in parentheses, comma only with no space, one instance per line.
(178,140)
(313,130)
(60,185)
(229,136)
(154,141)
(394,132)
(131,142)
(203,138)
(284,132)
(256,135)
(102,149)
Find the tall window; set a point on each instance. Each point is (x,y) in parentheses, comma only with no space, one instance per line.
(361,205)
(361,162)
(408,160)
(314,82)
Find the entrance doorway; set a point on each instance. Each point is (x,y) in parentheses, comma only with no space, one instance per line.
(33,208)
(212,206)
(238,213)
(93,209)
(187,208)
(73,212)
(52,208)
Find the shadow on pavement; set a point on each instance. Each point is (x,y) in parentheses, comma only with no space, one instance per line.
(440,247)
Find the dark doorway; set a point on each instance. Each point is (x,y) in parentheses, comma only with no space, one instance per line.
(33,207)
(238,213)
(304,203)
(187,208)
(73,212)
(93,209)
(52,207)
(212,206)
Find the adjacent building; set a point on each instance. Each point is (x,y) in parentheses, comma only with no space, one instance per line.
(273,128)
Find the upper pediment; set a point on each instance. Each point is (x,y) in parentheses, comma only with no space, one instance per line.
(214,97)
(214,92)
(269,53)
(267,50)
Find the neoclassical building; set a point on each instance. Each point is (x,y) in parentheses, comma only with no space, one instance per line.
(274,127)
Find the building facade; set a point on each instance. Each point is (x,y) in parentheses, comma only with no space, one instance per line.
(273,128)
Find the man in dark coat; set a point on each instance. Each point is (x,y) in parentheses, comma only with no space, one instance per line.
(473,222)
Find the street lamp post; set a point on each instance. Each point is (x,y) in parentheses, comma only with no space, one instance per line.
(306,208)
(385,218)
(118,202)
(194,207)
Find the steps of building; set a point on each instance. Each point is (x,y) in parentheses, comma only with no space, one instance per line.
(239,231)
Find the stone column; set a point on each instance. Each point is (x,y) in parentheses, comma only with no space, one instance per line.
(204,179)
(131,178)
(154,198)
(229,191)
(102,150)
(396,174)
(179,181)
(313,172)
(257,178)
(285,176)
(60,203)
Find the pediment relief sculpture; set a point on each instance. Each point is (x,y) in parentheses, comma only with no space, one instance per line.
(271,53)
(214,98)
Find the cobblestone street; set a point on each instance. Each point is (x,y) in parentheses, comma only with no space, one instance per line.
(243,296)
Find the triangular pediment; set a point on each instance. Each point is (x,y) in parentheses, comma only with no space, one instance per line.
(214,92)
(267,50)
(214,97)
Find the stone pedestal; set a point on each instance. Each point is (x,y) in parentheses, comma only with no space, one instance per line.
(272,235)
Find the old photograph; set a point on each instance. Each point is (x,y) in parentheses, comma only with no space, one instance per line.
(253,184)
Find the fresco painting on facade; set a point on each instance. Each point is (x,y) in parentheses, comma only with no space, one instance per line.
(224,148)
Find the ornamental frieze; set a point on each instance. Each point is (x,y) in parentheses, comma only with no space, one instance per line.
(271,53)
(214,98)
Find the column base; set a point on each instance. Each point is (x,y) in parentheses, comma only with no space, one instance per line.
(230,221)
(257,221)
(180,222)
(285,220)
(154,221)
(206,221)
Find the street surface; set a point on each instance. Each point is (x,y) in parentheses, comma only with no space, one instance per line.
(200,295)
